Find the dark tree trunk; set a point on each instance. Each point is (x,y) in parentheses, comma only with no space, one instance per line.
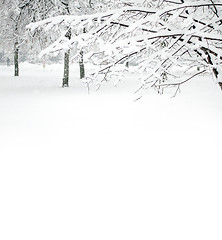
(81,66)
(16,61)
(65,81)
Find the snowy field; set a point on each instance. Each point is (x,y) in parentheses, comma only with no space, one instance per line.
(102,166)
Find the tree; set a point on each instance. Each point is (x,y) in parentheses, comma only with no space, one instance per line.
(160,37)
(65,8)
(15,15)
(10,16)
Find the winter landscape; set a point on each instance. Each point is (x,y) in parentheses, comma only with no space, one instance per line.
(110,124)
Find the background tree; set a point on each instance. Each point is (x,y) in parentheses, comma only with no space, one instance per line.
(10,16)
(64,8)
(15,15)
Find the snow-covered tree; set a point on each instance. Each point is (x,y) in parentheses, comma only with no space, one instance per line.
(10,16)
(15,15)
(164,39)
(65,10)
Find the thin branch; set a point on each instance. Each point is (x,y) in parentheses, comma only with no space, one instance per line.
(176,84)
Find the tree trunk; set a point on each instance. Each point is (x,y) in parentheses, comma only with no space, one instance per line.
(81,66)
(65,81)
(16,62)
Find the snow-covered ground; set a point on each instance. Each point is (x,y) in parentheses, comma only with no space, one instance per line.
(97,166)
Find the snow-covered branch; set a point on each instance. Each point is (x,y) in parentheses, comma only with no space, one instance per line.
(159,42)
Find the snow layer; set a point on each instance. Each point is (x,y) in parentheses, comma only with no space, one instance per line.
(102,166)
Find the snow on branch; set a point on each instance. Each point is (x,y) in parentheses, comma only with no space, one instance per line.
(162,44)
